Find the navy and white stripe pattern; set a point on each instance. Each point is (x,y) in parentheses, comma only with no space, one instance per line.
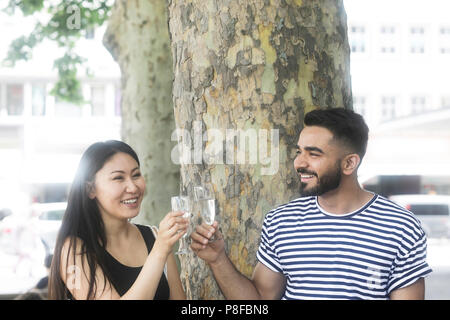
(365,254)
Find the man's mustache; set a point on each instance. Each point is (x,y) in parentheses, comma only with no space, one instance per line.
(303,171)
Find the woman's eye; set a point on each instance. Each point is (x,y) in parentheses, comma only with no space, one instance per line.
(137,175)
(118,178)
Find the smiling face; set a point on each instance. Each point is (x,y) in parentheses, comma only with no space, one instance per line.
(318,161)
(119,187)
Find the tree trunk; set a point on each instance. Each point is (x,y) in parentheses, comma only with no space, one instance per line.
(256,66)
(138,38)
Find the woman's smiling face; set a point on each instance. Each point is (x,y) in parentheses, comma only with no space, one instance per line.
(119,187)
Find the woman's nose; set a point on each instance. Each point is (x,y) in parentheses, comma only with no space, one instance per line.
(131,186)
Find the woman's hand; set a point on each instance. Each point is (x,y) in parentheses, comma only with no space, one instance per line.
(171,229)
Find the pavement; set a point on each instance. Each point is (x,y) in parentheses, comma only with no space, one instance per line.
(437,284)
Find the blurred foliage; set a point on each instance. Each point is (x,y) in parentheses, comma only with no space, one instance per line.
(67,22)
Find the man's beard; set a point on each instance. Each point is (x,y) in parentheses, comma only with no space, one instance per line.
(329,181)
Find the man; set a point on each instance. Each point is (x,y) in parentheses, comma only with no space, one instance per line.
(338,241)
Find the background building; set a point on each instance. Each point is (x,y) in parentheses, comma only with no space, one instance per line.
(400,67)
(41,138)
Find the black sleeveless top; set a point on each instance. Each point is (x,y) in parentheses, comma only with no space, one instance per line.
(123,277)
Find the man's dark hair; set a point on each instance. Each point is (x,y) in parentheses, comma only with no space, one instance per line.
(347,127)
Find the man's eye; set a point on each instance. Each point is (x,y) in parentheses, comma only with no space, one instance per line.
(298,152)
(314,154)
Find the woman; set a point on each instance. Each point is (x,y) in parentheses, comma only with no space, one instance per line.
(99,254)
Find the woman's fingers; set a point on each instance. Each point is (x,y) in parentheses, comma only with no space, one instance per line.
(173,218)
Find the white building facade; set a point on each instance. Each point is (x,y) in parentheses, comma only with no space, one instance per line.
(41,138)
(400,68)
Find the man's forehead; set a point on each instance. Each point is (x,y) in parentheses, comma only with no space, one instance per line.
(314,135)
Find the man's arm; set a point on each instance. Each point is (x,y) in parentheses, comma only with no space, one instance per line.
(415,291)
(265,283)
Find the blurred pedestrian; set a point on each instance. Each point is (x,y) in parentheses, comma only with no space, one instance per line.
(99,254)
(40,291)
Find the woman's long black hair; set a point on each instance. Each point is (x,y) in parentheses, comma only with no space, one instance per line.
(82,220)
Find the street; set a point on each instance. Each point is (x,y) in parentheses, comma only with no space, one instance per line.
(437,284)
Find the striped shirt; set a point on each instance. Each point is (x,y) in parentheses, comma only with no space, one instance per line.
(365,254)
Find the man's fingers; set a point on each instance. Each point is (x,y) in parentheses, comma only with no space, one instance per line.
(199,238)
(205,230)
(195,246)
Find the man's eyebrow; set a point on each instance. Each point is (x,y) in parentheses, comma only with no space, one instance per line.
(121,171)
(313,149)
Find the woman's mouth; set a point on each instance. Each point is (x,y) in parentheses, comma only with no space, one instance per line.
(132,202)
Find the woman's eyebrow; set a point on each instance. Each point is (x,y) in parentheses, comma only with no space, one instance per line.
(121,171)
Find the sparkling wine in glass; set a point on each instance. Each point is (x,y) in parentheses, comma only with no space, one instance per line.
(204,195)
(183,204)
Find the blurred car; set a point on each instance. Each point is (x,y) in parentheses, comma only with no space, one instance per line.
(47,221)
(4,212)
(433,211)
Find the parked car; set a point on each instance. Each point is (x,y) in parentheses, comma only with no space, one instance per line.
(4,212)
(433,211)
(47,221)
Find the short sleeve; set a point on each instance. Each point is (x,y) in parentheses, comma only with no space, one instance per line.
(410,263)
(266,252)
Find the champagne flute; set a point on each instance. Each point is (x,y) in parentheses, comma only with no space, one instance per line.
(204,194)
(182,203)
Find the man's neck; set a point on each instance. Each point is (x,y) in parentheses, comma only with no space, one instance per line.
(345,199)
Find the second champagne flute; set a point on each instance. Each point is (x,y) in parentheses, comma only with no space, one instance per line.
(183,204)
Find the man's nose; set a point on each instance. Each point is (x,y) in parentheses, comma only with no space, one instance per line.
(300,162)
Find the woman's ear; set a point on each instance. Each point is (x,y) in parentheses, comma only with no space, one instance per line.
(90,189)
(350,163)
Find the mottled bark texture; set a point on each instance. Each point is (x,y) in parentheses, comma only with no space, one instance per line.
(252,64)
(138,38)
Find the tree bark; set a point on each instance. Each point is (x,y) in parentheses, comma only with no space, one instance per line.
(255,66)
(138,38)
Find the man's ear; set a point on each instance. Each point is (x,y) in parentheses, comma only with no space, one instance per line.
(350,163)
(90,189)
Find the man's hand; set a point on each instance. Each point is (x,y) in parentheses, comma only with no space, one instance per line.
(212,251)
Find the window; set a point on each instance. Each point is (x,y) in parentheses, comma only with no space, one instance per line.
(14,99)
(418,104)
(359,105)
(445,102)
(90,33)
(98,100)
(444,40)
(429,209)
(357,38)
(388,108)
(388,39)
(3,110)
(38,99)
(417,40)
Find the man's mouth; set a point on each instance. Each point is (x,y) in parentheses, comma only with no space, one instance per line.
(304,177)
